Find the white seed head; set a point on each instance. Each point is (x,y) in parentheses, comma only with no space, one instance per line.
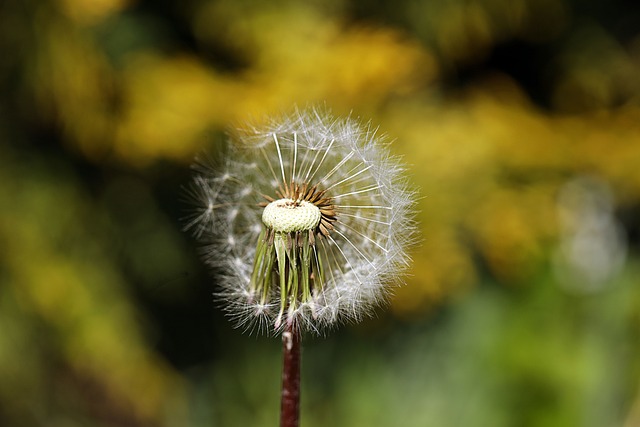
(287,215)
(320,216)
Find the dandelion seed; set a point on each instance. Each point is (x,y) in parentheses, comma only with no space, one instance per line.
(316,216)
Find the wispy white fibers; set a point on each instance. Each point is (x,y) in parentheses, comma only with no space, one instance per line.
(332,265)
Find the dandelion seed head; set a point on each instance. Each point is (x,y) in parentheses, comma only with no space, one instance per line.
(307,220)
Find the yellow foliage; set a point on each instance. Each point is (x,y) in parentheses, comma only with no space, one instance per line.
(490,166)
(171,102)
(90,12)
(62,277)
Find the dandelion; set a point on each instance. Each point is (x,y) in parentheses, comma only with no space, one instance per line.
(307,221)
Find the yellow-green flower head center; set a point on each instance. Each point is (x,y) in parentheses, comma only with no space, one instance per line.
(288,215)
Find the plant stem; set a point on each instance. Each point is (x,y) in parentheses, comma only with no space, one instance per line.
(290,403)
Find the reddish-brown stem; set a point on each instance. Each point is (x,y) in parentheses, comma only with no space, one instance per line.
(290,403)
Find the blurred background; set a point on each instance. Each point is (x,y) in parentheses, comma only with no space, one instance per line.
(520,120)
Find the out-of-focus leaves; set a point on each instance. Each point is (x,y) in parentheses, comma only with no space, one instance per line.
(493,167)
(160,105)
(188,97)
(92,12)
(70,322)
(594,72)
(501,108)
